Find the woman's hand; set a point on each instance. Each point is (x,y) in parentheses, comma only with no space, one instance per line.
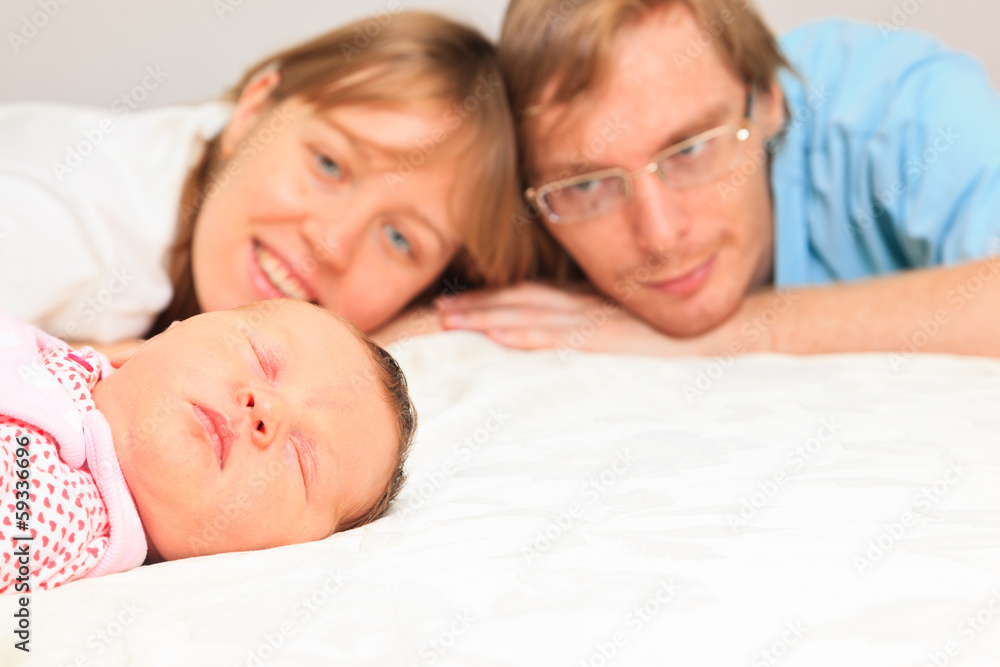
(414,322)
(533,316)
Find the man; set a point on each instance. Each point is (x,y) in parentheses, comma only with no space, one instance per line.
(731,203)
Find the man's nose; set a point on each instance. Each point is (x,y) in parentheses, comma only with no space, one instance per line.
(266,413)
(658,222)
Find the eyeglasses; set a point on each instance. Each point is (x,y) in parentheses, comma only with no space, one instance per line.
(692,162)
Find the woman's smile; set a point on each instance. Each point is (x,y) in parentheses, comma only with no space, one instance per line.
(274,278)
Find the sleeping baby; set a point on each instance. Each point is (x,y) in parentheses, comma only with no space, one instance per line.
(273,424)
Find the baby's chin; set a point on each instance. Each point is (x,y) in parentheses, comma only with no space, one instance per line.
(169,551)
(152,553)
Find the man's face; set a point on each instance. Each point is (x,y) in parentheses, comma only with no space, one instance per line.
(682,259)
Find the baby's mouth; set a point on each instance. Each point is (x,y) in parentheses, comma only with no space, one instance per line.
(219,432)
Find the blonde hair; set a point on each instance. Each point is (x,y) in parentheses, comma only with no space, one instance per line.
(402,59)
(560,49)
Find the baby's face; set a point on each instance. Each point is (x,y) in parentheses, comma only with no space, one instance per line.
(248,429)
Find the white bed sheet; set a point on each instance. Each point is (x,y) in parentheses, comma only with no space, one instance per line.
(588,510)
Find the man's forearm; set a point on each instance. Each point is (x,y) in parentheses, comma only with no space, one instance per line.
(953,310)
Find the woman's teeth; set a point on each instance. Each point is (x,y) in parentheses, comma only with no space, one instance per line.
(279,275)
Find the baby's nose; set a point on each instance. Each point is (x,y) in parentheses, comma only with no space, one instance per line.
(265,411)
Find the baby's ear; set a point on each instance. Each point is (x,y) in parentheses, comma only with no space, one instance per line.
(122,358)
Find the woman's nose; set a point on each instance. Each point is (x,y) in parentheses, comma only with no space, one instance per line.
(333,243)
(266,414)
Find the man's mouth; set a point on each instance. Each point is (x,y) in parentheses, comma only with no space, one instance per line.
(219,432)
(275,278)
(687,283)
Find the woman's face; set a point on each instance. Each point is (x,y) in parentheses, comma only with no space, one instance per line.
(350,208)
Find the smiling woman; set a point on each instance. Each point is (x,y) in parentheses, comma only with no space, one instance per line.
(353,178)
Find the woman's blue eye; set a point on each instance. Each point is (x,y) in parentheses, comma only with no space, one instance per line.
(397,240)
(329,166)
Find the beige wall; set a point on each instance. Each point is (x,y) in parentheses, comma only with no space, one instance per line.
(970,25)
(92,51)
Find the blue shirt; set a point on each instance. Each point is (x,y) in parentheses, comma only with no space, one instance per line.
(891,160)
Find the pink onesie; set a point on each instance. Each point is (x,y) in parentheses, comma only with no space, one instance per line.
(68,495)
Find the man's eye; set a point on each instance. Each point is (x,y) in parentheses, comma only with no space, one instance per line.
(587,186)
(397,240)
(693,150)
(329,167)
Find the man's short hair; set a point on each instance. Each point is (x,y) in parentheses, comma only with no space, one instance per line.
(568,44)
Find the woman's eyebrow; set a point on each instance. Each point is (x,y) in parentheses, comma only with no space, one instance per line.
(367,147)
